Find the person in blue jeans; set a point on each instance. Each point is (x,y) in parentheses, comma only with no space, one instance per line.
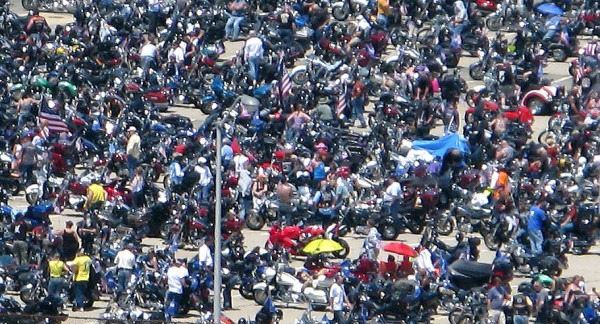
(176,280)
(537,216)
(238,11)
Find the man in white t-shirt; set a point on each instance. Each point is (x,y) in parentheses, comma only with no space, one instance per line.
(176,276)
(392,196)
(337,299)
(149,54)
(125,262)
(205,258)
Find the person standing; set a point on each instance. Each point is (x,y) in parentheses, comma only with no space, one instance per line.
(125,262)
(245,190)
(451,118)
(537,216)
(357,100)
(28,159)
(383,11)
(260,187)
(285,193)
(87,230)
(137,187)
(205,258)
(133,149)
(70,243)
(154,15)
(287,25)
(149,54)
(372,243)
(392,196)
(82,266)
(495,302)
(19,228)
(236,17)
(206,178)
(522,307)
(56,268)
(176,276)
(337,300)
(253,54)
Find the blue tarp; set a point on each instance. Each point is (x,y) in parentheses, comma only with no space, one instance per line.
(440,146)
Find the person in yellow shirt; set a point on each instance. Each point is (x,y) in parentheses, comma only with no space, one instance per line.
(383,11)
(56,268)
(96,196)
(82,266)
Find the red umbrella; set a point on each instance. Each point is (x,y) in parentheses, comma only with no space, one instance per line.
(400,248)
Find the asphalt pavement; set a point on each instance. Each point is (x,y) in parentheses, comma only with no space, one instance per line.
(585,265)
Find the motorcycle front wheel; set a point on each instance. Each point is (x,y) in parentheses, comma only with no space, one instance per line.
(260,296)
(30,4)
(255,221)
(342,254)
(340,13)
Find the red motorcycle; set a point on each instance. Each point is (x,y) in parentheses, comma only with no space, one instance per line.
(293,239)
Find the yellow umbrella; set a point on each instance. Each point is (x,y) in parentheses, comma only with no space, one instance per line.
(322,246)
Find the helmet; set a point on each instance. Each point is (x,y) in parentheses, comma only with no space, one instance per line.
(242,321)
(344,172)
(523,286)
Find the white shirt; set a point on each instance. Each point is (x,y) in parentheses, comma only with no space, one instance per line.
(174,276)
(239,161)
(337,293)
(423,261)
(125,259)
(178,53)
(204,256)
(205,174)
(148,50)
(393,190)
(253,48)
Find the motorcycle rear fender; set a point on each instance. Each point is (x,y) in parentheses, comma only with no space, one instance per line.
(259,286)
(541,94)
(34,188)
(298,69)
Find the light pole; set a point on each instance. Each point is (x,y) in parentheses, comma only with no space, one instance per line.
(217,263)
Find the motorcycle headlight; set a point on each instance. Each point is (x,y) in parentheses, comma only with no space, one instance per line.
(586,83)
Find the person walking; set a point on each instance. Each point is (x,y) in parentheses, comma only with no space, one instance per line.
(133,149)
(206,178)
(337,300)
(125,262)
(205,256)
(56,269)
(176,276)
(237,14)
(87,230)
(82,266)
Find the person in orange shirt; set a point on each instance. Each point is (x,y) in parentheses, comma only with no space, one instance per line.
(383,11)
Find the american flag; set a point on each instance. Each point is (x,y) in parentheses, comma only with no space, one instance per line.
(579,73)
(340,106)
(285,85)
(53,121)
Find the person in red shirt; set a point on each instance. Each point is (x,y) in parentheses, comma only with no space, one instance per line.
(389,269)
(357,100)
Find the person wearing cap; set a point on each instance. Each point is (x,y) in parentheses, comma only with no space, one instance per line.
(70,241)
(133,149)
(176,276)
(82,266)
(125,262)
(206,178)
